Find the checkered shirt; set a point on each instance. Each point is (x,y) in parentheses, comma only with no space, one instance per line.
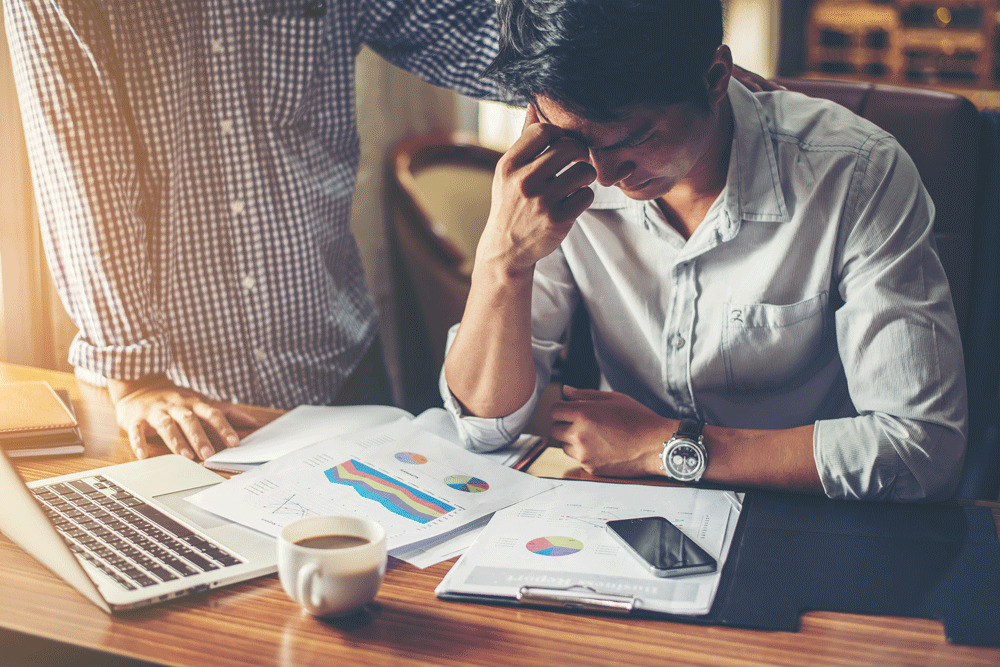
(194,163)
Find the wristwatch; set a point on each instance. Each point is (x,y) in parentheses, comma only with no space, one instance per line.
(684,456)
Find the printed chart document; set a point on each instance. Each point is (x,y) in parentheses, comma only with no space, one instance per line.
(554,549)
(418,485)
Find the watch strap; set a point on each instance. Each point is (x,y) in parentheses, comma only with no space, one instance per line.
(690,428)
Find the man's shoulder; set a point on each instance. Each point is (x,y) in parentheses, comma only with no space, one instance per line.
(816,124)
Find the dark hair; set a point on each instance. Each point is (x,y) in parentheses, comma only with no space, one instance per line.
(597,58)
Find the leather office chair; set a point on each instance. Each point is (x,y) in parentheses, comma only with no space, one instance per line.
(439,191)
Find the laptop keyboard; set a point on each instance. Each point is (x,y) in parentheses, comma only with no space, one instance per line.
(125,537)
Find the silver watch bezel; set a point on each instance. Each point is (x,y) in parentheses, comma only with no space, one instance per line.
(697,445)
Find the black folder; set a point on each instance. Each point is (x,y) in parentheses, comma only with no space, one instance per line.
(794,553)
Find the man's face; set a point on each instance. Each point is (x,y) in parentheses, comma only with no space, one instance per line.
(646,152)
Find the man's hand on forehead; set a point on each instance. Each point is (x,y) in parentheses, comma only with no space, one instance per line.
(540,187)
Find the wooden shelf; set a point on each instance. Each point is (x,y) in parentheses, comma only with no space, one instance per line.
(941,44)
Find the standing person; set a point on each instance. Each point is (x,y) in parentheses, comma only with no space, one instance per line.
(766,302)
(194,164)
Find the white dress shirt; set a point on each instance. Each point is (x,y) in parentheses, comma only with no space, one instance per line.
(811,293)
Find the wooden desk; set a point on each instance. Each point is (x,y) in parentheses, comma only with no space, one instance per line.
(255,624)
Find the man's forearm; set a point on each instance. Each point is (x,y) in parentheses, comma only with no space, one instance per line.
(489,367)
(781,460)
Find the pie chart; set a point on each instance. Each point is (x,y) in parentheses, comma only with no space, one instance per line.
(411,458)
(554,546)
(466,483)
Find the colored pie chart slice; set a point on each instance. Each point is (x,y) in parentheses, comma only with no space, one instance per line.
(554,546)
(466,483)
(411,458)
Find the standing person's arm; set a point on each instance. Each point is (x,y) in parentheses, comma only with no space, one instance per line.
(89,170)
(450,42)
(445,42)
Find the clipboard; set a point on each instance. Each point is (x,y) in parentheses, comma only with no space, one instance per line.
(554,551)
(792,553)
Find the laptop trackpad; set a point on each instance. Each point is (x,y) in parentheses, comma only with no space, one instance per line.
(176,503)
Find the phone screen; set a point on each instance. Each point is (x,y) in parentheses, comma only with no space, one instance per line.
(661,546)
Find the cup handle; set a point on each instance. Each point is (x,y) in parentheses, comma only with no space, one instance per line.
(306,589)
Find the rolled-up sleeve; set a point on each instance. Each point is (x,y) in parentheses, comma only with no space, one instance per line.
(85,164)
(899,343)
(486,434)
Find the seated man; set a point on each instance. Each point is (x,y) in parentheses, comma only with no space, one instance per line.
(766,301)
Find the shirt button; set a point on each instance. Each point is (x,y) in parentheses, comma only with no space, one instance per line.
(248,282)
(679,342)
(216,46)
(227,126)
(237,206)
(259,354)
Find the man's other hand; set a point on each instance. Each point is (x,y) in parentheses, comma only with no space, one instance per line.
(610,433)
(755,83)
(155,405)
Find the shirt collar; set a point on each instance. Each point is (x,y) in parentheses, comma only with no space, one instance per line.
(753,185)
(753,189)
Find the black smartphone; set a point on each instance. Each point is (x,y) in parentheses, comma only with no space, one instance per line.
(661,546)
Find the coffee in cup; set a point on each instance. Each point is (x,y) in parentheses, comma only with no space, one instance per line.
(332,565)
(333,541)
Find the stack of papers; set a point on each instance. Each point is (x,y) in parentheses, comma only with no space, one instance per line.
(298,428)
(524,539)
(554,549)
(308,424)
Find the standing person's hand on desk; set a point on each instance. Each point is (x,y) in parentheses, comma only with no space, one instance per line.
(155,405)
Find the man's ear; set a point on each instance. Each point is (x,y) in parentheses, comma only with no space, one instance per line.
(718,75)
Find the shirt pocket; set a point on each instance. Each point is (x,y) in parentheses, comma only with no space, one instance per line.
(291,49)
(766,346)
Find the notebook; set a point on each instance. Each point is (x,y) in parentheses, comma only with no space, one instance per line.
(62,443)
(124,536)
(35,421)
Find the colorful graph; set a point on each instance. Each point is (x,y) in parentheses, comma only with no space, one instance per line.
(554,546)
(411,458)
(394,495)
(466,483)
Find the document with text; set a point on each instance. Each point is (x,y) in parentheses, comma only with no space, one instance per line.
(418,485)
(555,547)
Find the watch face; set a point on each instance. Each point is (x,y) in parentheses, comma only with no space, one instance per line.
(685,460)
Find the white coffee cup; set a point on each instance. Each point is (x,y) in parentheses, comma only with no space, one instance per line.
(323,575)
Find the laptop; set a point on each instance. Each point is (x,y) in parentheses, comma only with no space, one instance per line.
(125,537)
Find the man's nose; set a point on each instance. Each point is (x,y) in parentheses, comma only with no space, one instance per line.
(610,169)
